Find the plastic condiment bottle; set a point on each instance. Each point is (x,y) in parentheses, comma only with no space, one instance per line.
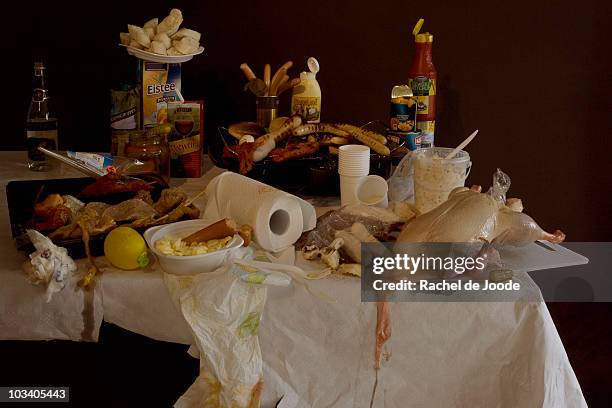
(306,97)
(423,79)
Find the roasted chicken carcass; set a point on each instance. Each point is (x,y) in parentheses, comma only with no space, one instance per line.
(170,199)
(469,215)
(113,183)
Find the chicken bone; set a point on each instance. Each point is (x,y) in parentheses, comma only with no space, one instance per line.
(329,255)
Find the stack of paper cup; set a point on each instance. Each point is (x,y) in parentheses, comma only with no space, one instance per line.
(353,167)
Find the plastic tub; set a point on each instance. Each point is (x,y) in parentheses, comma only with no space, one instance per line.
(435,178)
(188,265)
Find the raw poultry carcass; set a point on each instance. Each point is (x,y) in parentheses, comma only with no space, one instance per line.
(469,216)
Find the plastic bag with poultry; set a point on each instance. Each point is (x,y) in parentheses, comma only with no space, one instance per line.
(469,215)
(379,222)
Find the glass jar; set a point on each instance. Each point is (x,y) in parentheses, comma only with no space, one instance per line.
(152,151)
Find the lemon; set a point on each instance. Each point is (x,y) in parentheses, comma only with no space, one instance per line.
(126,249)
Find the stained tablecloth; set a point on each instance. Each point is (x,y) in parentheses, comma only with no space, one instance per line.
(319,353)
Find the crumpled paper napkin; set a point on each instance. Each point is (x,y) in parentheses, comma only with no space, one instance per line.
(49,265)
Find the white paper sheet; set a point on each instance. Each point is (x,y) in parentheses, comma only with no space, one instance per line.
(320,354)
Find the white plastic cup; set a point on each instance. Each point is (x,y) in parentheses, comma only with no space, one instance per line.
(373,191)
(435,177)
(354,160)
(348,189)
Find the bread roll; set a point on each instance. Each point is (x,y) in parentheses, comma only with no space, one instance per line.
(172,52)
(124,38)
(134,44)
(185,32)
(150,32)
(171,23)
(158,48)
(138,34)
(152,23)
(186,45)
(164,39)
(177,13)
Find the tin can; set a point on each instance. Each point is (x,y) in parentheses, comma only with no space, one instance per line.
(410,140)
(403,109)
(427,128)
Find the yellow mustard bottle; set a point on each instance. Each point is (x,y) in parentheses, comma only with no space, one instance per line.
(306,97)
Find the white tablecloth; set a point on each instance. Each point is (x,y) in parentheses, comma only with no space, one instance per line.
(318,353)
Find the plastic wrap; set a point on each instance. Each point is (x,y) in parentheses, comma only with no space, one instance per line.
(501,185)
(378,221)
(401,182)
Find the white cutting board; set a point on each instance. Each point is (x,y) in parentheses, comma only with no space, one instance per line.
(540,255)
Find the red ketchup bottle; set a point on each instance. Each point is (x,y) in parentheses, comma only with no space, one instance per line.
(423,79)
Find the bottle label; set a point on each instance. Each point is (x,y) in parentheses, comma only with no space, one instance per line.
(423,88)
(309,107)
(43,134)
(427,128)
(403,115)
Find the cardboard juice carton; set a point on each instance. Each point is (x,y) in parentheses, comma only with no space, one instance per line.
(160,83)
(186,138)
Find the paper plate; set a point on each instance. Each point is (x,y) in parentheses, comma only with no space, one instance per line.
(150,56)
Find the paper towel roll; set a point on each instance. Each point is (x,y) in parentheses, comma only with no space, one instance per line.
(278,218)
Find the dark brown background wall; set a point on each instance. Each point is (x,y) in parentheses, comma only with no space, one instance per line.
(533,76)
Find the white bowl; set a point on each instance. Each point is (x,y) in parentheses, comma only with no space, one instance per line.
(188,265)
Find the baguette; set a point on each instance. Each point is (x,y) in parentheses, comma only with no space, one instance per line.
(288,85)
(248,72)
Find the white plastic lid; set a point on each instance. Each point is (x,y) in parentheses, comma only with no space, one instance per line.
(313,65)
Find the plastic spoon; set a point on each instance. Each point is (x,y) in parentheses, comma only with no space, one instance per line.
(462,145)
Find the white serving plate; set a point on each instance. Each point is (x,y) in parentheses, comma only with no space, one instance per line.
(188,265)
(168,59)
